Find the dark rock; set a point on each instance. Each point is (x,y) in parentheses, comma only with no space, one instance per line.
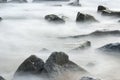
(3,1)
(1,78)
(1,19)
(88,78)
(18,1)
(107,12)
(97,34)
(54,18)
(83,46)
(101,8)
(85,18)
(59,62)
(75,3)
(112,47)
(31,65)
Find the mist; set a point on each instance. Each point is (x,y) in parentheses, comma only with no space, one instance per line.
(24,31)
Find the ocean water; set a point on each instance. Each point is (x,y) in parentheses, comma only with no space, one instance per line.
(24,31)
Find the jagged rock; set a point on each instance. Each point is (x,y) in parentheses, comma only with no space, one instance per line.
(112,47)
(31,65)
(3,1)
(85,18)
(54,18)
(107,12)
(83,46)
(75,3)
(1,78)
(59,62)
(88,78)
(18,1)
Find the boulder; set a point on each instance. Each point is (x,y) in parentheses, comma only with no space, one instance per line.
(101,8)
(107,12)
(1,78)
(83,46)
(32,65)
(18,1)
(112,47)
(85,18)
(59,62)
(88,78)
(54,18)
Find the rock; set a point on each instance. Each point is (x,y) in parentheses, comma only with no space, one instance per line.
(59,62)
(1,78)
(107,12)
(44,50)
(32,65)
(54,18)
(88,78)
(75,3)
(3,1)
(101,8)
(1,19)
(112,47)
(97,34)
(18,1)
(85,18)
(83,46)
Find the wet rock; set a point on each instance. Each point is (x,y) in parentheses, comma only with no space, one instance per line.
(18,1)
(112,47)
(54,18)
(59,62)
(85,18)
(75,3)
(88,78)
(1,78)
(101,8)
(3,1)
(83,46)
(32,65)
(97,34)
(107,12)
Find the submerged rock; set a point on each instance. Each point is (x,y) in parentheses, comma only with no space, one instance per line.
(1,78)
(31,65)
(85,18)
(97,34)
(112,47)
(107,12)
(75,3)
(18,1)
(88,78)
(83,46)
(59,62)
(54,18)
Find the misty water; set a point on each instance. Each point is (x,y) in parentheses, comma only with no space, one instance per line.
(24,31)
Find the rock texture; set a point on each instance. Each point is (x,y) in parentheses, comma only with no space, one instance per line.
(54,18)
(85,18)
(112,47)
